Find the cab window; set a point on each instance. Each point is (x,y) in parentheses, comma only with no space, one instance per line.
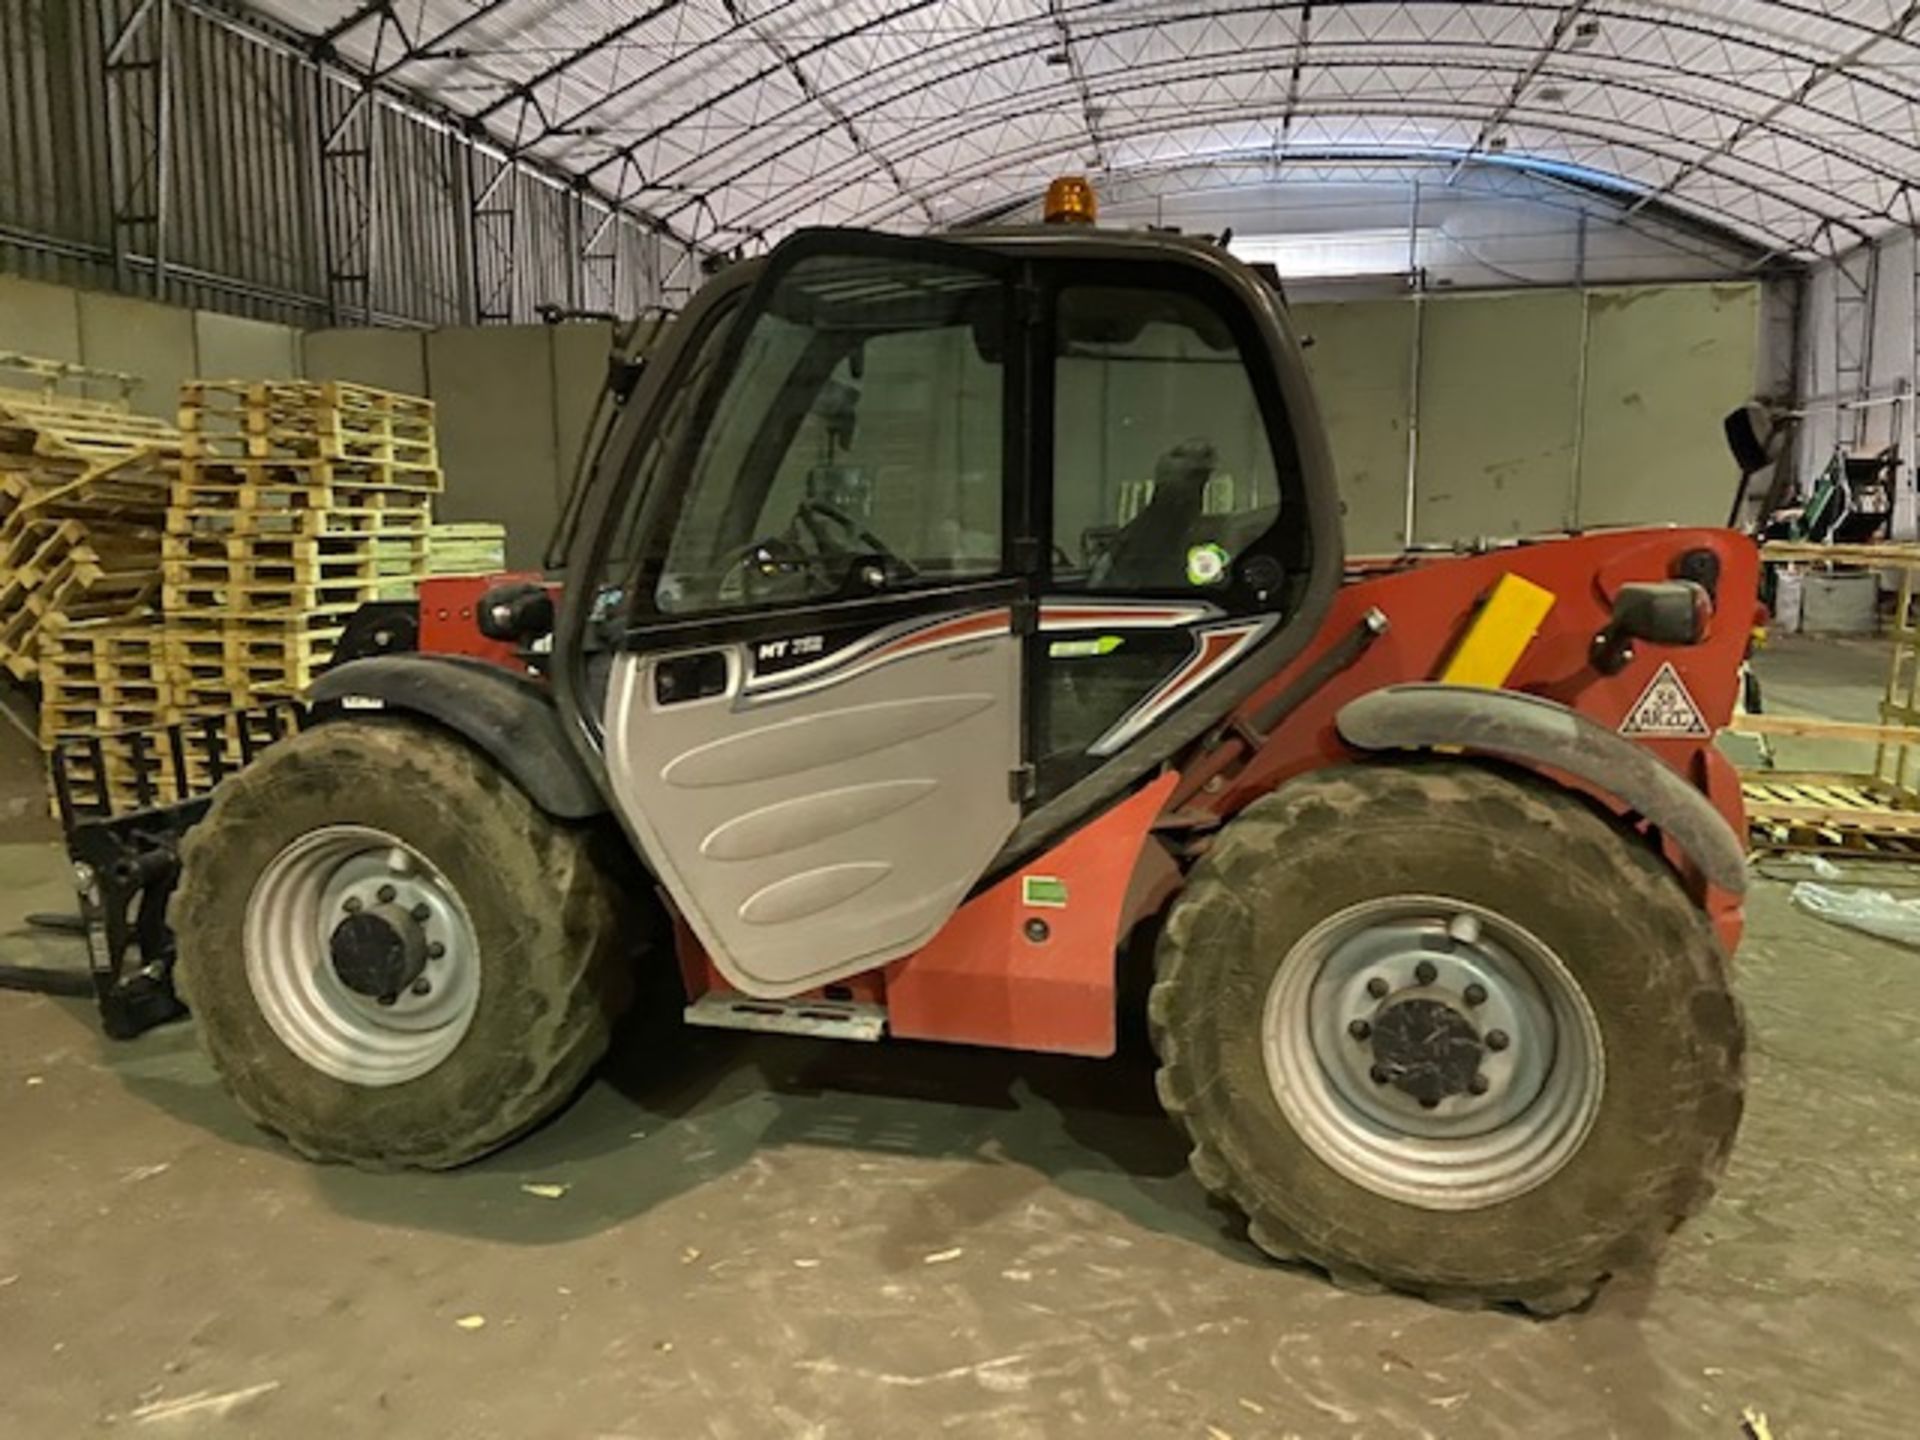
(1163,467)
(857,447)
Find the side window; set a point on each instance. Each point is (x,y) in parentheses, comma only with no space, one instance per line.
(1163,467)
(857,446)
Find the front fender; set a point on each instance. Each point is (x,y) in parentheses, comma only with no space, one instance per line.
(1545,735)
(511,718)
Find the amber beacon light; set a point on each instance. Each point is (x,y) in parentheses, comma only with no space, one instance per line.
(1070,201)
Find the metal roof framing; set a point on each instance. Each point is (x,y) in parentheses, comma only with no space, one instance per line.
(1793,126)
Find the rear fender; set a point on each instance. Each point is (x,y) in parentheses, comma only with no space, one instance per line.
(1546,736)
(512,719)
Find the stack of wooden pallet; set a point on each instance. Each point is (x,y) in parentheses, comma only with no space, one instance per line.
(296,501)
(83,491)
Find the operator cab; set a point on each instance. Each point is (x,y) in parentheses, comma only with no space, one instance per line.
(904,538)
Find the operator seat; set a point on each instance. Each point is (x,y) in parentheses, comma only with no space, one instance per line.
(1150,552)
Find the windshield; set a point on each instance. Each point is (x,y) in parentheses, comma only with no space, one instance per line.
(858,444)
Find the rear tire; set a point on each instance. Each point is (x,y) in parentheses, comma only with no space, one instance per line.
(1358,877)
(536,939)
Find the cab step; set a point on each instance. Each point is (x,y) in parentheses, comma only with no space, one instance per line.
(826,1019)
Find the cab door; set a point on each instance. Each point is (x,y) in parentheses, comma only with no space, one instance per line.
(814,722)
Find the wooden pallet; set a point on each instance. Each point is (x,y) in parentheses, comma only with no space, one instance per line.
(209,668)
(467,548)
(77,589)
(101,676)
(401,522)
(227,484)
(253,572)
(247,558)
(265,598)
(307,420)
(244,659)
(59,427)
(1799,810)
(84,486)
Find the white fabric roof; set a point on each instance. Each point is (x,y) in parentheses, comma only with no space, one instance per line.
(1792,125)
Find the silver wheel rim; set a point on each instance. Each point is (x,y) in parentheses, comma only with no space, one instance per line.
(1379,988)
(301,897)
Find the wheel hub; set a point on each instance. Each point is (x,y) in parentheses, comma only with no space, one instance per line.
(1428,1049)
(1432,1050)
(362,956)
(378,952)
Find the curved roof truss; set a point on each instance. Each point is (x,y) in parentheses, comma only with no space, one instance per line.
(1794,127)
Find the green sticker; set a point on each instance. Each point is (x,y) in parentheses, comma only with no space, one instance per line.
(1207,564)
(1043,892)
(1074,649)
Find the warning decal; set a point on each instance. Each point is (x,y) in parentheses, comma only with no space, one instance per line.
(1665,708)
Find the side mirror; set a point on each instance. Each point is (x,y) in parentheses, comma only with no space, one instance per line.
(1752,437)
(519,612)
(1664,612)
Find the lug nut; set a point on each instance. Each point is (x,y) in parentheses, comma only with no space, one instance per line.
(435,950)
(1427,1102)
(1378,1074)
(423,986)
(1477,1085)
(1476,994)
(422,912)
(1425,973)
(387,892)
(352,905)
(1497,1040)
(1377,988)
(1359,1029)
(388,999)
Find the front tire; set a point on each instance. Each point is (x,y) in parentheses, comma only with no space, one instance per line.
(1444,1029)
(395,958)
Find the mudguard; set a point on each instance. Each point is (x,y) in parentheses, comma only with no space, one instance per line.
(1542,734)
(512,719)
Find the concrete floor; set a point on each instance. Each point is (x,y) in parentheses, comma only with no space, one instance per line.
(799,1239)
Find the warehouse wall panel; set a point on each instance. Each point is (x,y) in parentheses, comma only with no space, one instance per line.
(232,347)
(1499,414)
(1500,402)
(1664,366)
(39,319)
(580,355)
(152,341)
(386,359)
(1362,365)
(492,388)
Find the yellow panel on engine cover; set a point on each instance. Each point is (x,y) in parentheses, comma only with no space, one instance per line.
(1499,636)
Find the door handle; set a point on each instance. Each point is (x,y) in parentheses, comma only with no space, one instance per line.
(683,678)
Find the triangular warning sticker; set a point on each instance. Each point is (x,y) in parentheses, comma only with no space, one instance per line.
(1665,709)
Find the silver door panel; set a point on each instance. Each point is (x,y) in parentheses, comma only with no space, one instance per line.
(809,837)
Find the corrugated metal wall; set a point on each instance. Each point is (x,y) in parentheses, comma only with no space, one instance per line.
(257,221)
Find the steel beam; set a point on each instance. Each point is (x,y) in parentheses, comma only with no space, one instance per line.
(493,225)
(138,95)
(349,185)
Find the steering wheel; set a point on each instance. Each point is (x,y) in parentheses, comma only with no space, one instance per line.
(812,510)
